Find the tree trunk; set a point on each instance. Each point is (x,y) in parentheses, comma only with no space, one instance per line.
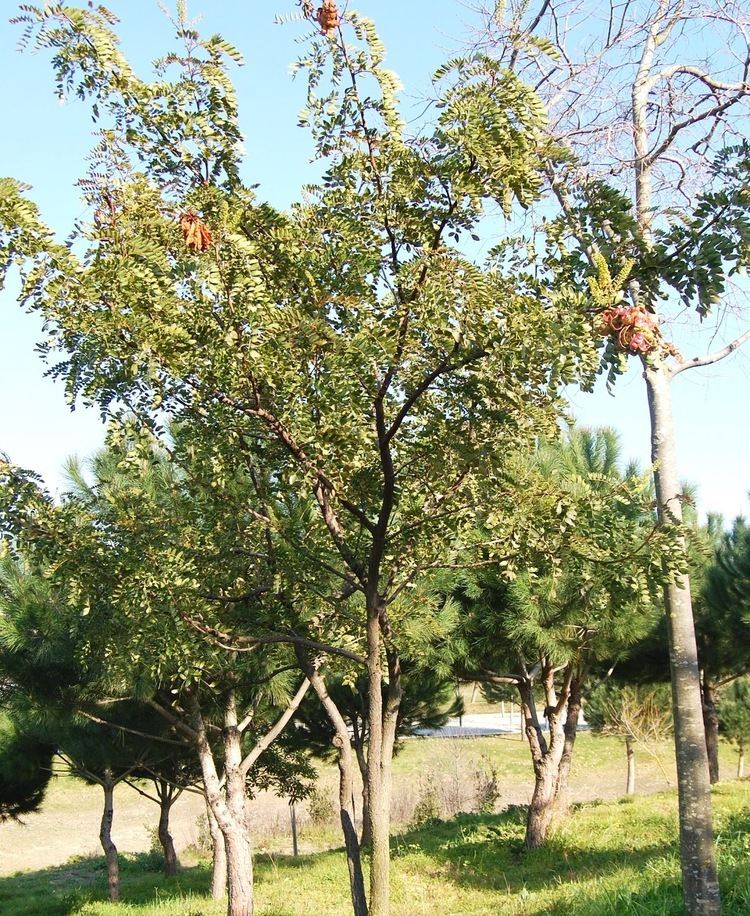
(546,757)
(711,726)
(239,870)
(343,745)
(546,775)
(383,720)
(630,751)
(166,800)
(219,870)
(365,839)
(228,807)
(542,808)
(699,876)
(570,729)
(105,837)
(741,761)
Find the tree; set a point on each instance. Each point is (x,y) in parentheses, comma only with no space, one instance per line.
(587,597)
(734,718)
(637,714)
(638,195)
(25,770)
(106,758)
(348,351)
(723,636)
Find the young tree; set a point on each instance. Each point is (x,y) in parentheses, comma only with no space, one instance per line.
(723,636)
(637,714)
(734,718)
(586,598)
(349,349)
(646,101)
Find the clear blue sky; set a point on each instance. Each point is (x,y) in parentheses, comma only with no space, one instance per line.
(44,143)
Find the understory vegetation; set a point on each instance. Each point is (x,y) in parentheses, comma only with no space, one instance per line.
(609,857)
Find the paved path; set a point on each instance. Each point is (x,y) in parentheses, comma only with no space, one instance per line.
(476,725)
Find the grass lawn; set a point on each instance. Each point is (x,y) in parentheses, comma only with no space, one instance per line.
(607,858)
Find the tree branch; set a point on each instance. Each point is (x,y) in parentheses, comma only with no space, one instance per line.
(277,728)
(711,358)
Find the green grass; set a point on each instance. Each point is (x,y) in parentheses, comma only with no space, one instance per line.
(607,858)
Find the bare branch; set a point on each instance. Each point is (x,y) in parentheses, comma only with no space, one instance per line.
(711,358)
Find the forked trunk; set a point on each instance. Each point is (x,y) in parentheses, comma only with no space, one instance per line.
(105,837)
(219,869)
(166,800)
(630,751)
(546,756)
(711,726)
(699,876)
(544,799)
(228,806)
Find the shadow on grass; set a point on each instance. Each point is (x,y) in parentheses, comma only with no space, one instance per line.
(629,872)
(65,889)
(487,851)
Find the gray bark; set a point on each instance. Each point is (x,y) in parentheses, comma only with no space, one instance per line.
(546,756)
(562,790)
(699,875)
(219,867)
(382,723)
(229,806)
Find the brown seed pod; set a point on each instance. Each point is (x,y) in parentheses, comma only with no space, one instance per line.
(328,17)
(196,233)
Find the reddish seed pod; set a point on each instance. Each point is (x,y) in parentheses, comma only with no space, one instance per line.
(196,233)
(328,17)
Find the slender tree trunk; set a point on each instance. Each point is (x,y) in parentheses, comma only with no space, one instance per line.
(343,745)
(630,751)
(365,839)
(699,876)
(570,729)
(383,720)
(166,800)
(105,837)
(711,726)
(741,761)
(219,869)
